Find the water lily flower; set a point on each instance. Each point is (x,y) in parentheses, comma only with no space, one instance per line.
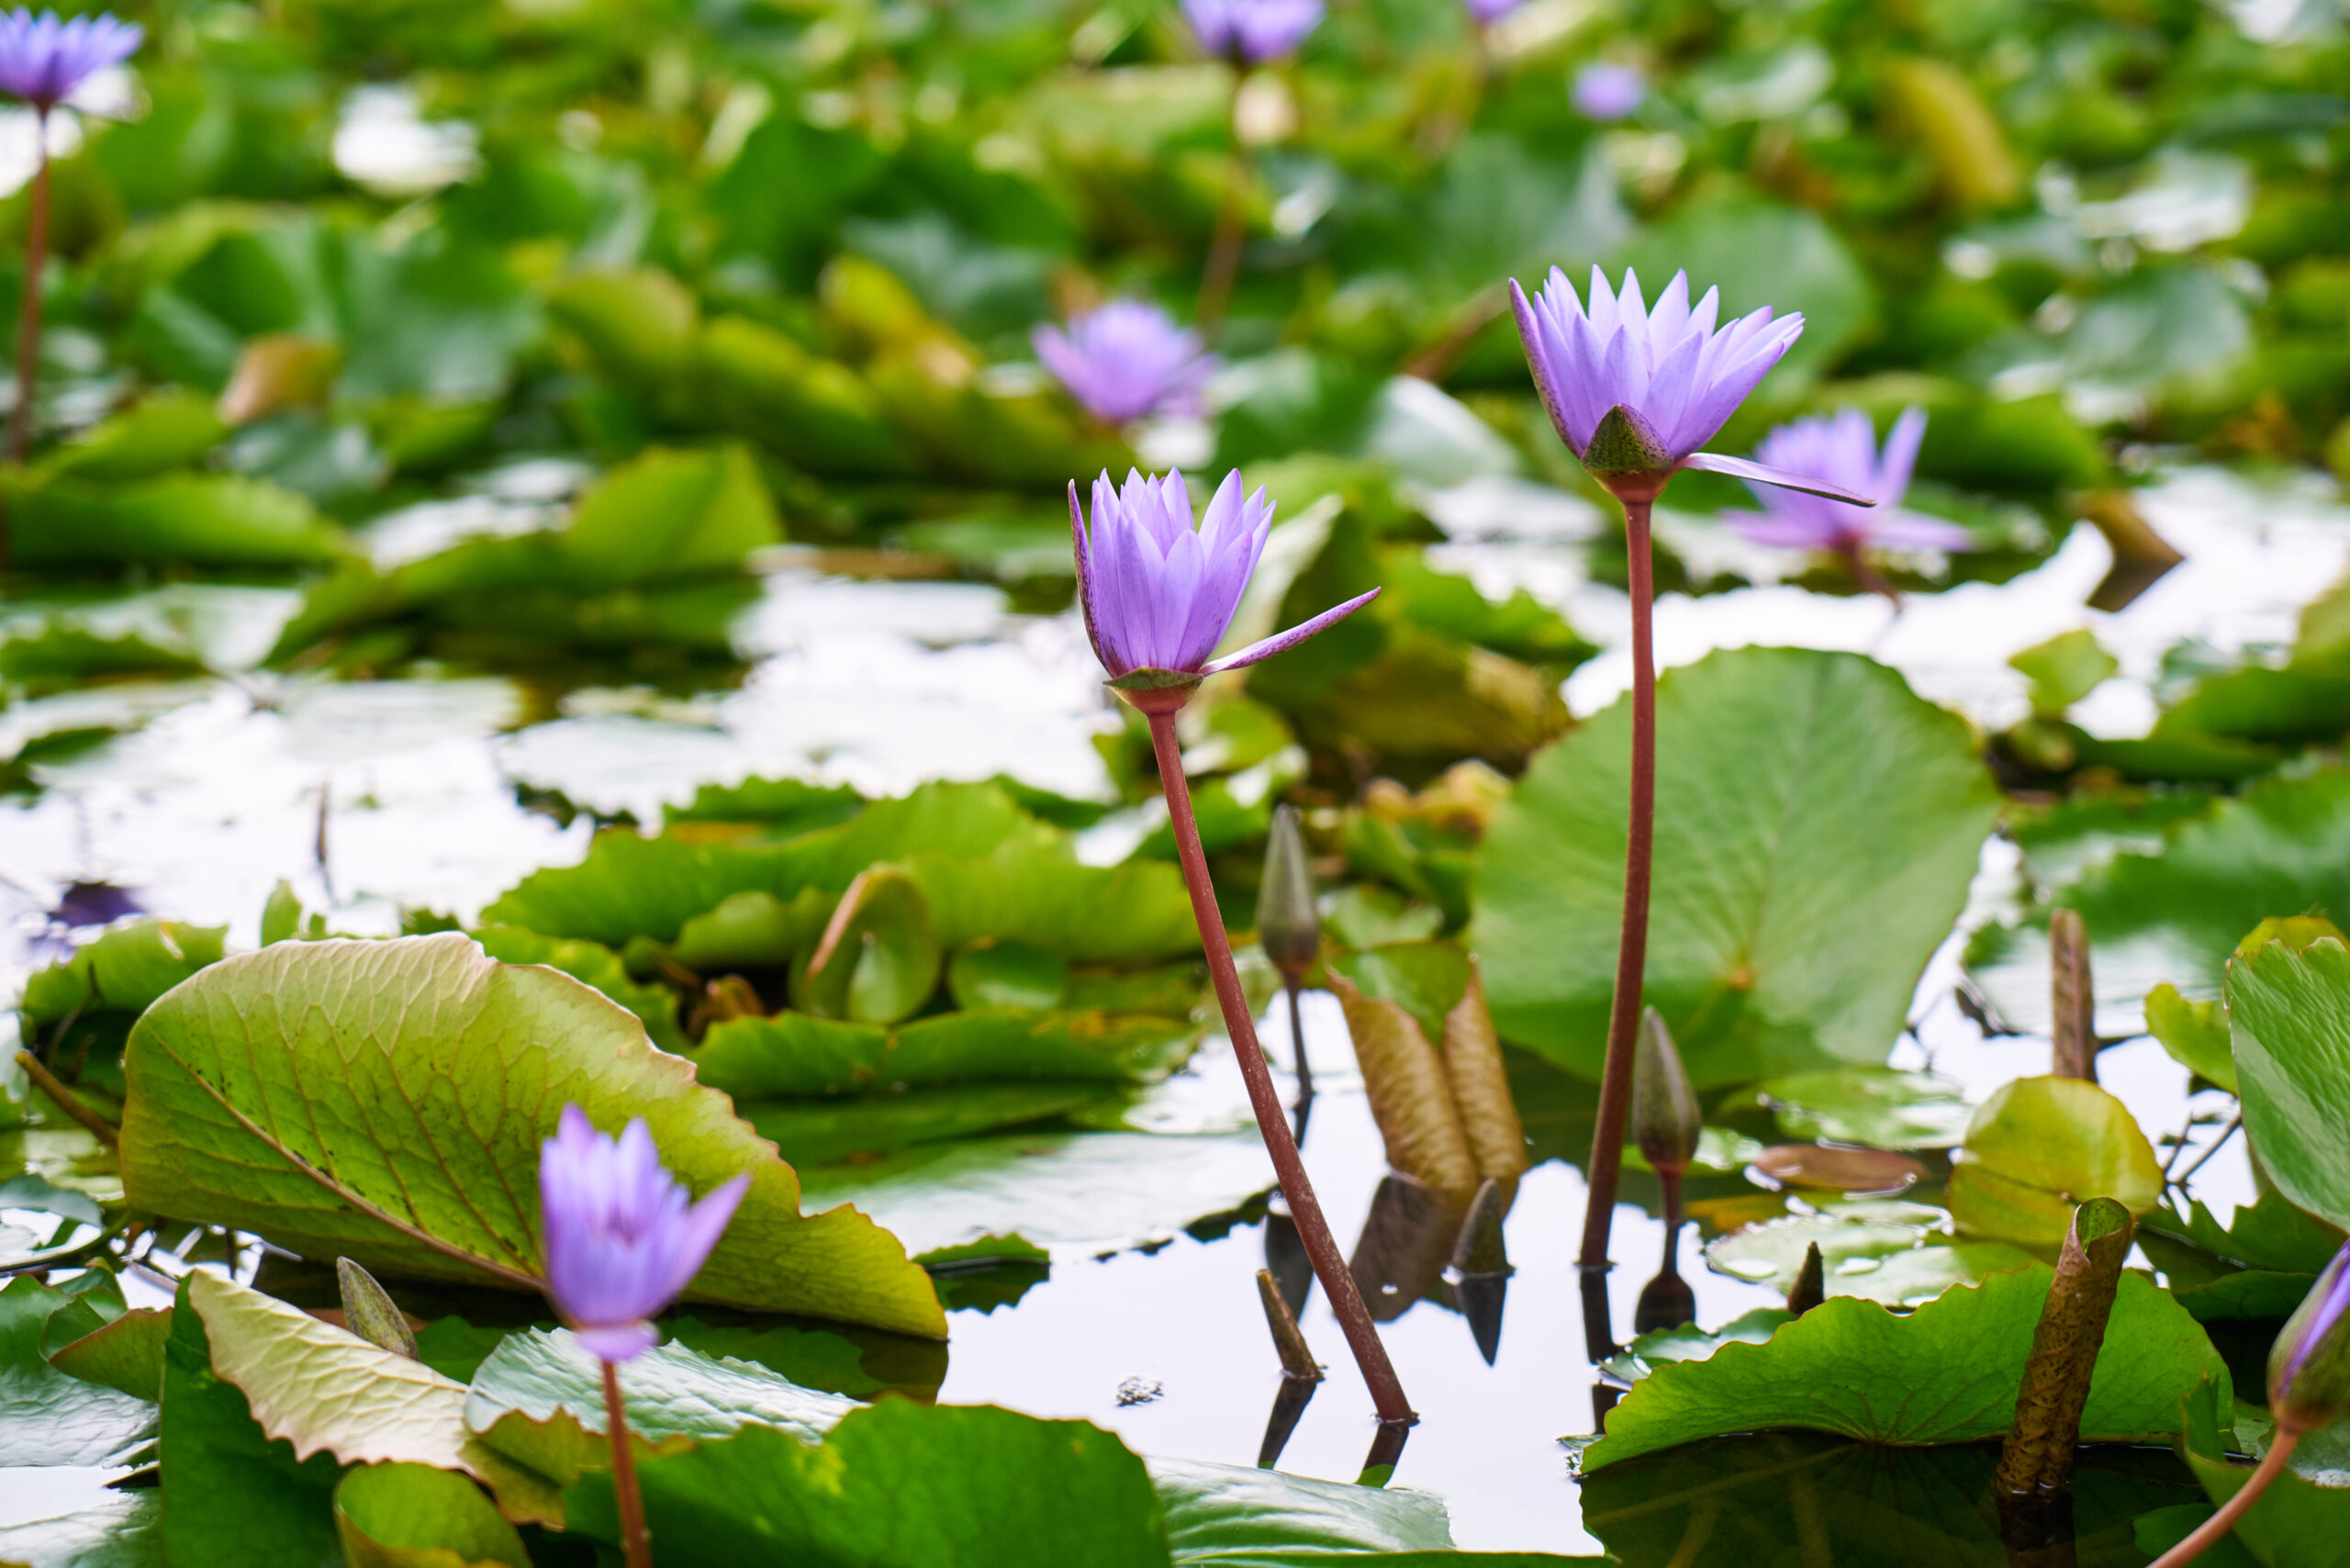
(2309,1368)
(1157,594)
(42,59)
(1843,449)
(1488,12)
(1605,91)
(1636,391)
(623,1241)
(1126,360)
(1251,32)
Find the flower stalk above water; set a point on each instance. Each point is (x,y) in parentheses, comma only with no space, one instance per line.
(622,1240)
(1634,392)
(42,61)
(1247,34)
(2308,1387)
(1158,596)
(1289,928)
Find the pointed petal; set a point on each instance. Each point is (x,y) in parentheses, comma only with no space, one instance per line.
(1541,361)
(1668,322)
(1601,309)
(1670,390)
(1632,316)
(1084,576)
(1757,472)
(1281,642)
(1900,455)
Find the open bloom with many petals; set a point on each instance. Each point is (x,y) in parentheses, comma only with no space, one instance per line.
(42,59)
(1843,450)
(1249,32)
(1126,360)
(623,1241)
(1159,594)
(1605,91)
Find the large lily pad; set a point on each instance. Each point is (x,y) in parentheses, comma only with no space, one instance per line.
(1944,1374)
(1883,1249)
(2289,1014)
(385,1100)
(2039,1148)
(1817,828)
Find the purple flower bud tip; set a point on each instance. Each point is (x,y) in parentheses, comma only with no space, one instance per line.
(621,1240)
(1127,360)
(42,59)
(2309,1369)
(1605,92)
(1842,450)
(1488,12)
(1159,594)
(1251,32)
(1669,366)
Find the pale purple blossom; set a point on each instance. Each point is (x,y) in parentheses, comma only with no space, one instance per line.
(1159,594)
(1488,12)
(42,59)
(1251,32)
(1843,450)
(621,1238)
(1126,360)
(1607,91)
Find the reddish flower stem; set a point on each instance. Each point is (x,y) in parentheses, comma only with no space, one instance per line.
(20,418)
(634,1538)
(2271,1465)
(1329,1264)
(1632,947)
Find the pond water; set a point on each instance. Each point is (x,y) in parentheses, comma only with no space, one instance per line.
(374,795)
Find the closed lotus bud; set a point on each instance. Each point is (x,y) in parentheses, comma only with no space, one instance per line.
(1666,1117)
(2309,1370)
(1286,923)
(369,1312)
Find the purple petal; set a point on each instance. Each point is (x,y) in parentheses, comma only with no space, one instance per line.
(1784,531)
(1541,362)
(1084,576)
(1757,472)
(695,1236)
(1900,457)
(1914,531)
(617,1343)
(1281,642)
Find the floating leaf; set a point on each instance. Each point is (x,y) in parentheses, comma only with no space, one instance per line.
(1816,829)
(879,958)
(271,1092)
(795,1054)
(2040,1147)
(1944,1374)
(1838,1169)
(1882,1107)
(413,1516)
(1894,1253)
(2292,1050)
(49,1417)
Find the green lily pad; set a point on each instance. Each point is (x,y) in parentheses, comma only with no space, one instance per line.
(2040,1147)
(1944,1374)
(825,1132)
(795,1054)
(267,1094)
(1882,1249)
(2292,1048)
(1818,827)
(123,970)
(413,1516)
(49,1417)
(1882,1107)
(656,1006)
(1691,1343)
(2280,848)
(879,958)
(999,972)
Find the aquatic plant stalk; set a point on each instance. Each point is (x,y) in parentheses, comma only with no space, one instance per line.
(1329,1263)
(1224,249)
(2072,998)
(2207,1534)
(1632,939)
(634,1538)
(20,418)
(2037,1459)
(67,1100)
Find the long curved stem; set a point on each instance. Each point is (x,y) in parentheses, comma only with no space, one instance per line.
(20,418)
(1632,946)
(2272,1465)
(1329,1264)
(634,1538)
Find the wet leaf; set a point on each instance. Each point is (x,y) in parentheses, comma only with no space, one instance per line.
(1233,1518)
(1883,1107)
(413,1516)
(47,1417)
(1944,1374)
(1788,783)
(252,1097)
(1892,1253)
(1838,1169)
(2292,1047)
(1691,1343)
(2039,1148)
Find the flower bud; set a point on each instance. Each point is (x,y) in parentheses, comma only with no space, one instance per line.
(2309,1369)
(1287,925)
(369,1312)
(1666,1117)
(1627,456)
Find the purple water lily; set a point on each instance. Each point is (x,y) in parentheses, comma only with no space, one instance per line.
(1488,12)
(1607,91)
(623,1241)
(1843,449)
(1251,32)
(1126,360)
(2309,1369)
(42,59)
(1159,594)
